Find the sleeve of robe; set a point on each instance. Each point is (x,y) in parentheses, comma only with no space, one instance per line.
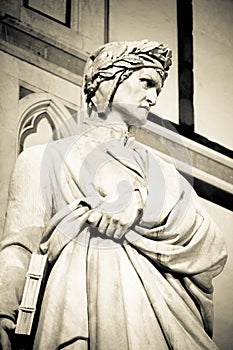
(25,219)
(187,244)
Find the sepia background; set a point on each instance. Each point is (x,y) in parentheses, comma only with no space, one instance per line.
(43,48)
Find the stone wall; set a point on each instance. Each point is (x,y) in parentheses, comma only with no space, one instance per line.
(41,55)
(16,73)
(213,69)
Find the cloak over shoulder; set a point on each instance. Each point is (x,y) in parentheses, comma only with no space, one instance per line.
(153,289)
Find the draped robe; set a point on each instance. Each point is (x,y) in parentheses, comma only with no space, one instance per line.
(150,290)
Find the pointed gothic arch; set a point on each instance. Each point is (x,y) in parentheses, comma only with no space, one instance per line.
(37,106)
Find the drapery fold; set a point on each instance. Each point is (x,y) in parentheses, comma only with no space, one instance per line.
(153,289)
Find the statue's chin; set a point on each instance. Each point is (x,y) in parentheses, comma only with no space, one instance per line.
(139,119)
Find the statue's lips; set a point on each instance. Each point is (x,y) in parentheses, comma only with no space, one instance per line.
(147,108)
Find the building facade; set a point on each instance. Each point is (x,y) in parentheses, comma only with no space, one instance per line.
(43,49)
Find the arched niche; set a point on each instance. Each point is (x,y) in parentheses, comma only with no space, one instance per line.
(44,117)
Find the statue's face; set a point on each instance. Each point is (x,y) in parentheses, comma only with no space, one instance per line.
(135,96)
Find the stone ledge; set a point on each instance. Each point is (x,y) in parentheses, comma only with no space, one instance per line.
(22,42)
(189,157)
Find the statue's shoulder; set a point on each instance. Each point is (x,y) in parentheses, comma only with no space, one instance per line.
(32,154)
(39,161)
(37,152)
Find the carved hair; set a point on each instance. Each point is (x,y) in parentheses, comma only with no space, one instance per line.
(114,62)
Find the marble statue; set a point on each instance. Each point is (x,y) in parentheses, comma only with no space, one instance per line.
(131,251)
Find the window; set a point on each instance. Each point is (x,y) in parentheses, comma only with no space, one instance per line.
(57,10)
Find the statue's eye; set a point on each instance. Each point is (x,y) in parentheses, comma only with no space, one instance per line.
(147,83)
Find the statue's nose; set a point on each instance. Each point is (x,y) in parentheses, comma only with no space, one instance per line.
(151,96)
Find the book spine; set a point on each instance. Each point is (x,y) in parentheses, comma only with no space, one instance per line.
(27,308)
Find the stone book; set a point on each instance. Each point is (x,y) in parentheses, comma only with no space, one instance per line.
(32,291)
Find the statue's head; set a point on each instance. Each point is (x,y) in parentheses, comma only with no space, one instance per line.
(115,65)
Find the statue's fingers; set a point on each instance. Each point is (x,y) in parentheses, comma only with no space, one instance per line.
(94,218)
(103,224)
(79,211)
(112,227)
(7,327)
(7,324)
(5,343)
(120,232)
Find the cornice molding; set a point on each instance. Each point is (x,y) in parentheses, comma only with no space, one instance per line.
(24,43)
(189,157)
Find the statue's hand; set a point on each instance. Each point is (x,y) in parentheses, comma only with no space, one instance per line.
(7,328)
(115,223)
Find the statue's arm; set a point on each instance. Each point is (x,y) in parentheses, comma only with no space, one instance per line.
(22,232)
(115,219)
